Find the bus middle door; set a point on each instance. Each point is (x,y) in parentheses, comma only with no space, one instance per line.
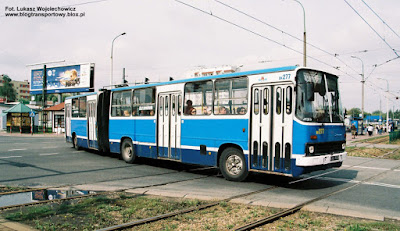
(169,125)
(92,137)
(261,156)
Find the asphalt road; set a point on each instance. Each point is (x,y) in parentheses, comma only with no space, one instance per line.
(47,161)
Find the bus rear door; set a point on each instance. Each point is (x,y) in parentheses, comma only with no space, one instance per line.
(169,125)
(92,136)
(271,124)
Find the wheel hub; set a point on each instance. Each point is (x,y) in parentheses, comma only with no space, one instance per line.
(234,165)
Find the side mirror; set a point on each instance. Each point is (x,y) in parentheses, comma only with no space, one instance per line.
(310,91)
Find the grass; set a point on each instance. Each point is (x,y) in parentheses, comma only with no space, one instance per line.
(96,212)
(117,208)
(369,152)
(10,188)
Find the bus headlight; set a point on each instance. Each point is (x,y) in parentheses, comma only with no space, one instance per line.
(343,146)
(311,149)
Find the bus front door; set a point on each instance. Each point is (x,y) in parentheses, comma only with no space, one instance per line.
(169,125)
(271,124)
(92,137)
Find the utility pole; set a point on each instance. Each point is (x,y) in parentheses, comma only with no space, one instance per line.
(362,86)
(44,98)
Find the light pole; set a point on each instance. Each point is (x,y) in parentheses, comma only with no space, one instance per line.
(304,35)
(362,86)
(387,104)
(112,49)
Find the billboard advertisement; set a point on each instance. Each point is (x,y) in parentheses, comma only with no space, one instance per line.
(63,79)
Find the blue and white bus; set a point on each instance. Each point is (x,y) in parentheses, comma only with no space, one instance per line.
(284,120)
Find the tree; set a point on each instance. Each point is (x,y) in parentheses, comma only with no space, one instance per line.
(7,89)
(355,112)
(23,101)
(377,112)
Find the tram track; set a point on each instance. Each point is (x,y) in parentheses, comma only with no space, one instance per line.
(257,223)
(212,204)
(298,207)
(101,193)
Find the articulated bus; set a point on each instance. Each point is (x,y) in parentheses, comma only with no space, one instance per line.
(285,120)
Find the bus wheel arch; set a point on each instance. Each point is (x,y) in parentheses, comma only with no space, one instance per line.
(127,150)
(232,163)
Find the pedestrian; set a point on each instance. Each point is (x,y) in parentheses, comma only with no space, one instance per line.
(353,131)
(370,129)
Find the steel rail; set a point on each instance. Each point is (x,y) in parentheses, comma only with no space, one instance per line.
(99,193)
(258,223)
(296,208)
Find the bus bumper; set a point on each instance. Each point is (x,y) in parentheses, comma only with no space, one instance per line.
(305,161)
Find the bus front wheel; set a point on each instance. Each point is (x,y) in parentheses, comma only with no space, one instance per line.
(233,165)
(127,151)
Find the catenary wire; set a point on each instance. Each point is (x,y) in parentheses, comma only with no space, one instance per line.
(262,36)
(372,28)
(380,18)
(286,33)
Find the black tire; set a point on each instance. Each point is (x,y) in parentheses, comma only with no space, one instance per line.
(75,142)
(233,165)
(128,151)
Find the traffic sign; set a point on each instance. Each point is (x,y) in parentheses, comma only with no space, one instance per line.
(32,114)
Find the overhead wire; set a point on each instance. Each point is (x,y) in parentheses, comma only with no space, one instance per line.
(372,28)
(286,33)
(262,36)
(383,21)
(269,39)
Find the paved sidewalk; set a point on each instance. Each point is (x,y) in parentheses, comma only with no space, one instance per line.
(17,134)
(350,142)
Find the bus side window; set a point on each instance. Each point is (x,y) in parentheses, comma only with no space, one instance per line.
(198,98)
(82,107)
(121,103)
(144,102)
(230,96)
(75,107)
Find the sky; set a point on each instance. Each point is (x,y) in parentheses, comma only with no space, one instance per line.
(168,38)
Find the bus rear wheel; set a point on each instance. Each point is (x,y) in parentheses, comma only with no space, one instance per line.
(233,165)
(75,142)
(127,151)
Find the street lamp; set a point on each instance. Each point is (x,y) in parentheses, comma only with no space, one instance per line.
(304,35)
(387,104)
(112,48)
(362,86)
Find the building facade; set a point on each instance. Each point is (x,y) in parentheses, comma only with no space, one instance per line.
(21,88)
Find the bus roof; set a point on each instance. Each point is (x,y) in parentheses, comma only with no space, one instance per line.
(230,75)
(77,96)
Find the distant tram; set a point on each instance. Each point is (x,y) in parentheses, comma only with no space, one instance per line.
(285,120)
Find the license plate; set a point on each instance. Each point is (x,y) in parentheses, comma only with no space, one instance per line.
(333,158)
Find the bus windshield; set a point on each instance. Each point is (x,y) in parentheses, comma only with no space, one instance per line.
(317,97)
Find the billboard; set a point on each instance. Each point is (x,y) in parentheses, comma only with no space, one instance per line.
(63,79)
